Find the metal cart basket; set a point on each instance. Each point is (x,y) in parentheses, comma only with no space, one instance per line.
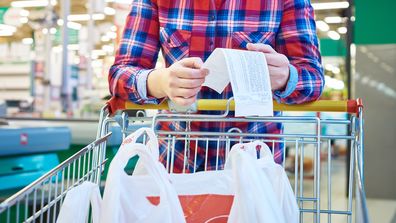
(319,200)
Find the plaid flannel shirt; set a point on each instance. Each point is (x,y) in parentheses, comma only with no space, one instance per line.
(192,28)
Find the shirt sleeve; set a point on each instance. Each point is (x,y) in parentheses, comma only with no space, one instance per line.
(297,40)
(136,55)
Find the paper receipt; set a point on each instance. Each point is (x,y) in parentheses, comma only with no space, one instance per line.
(249,76)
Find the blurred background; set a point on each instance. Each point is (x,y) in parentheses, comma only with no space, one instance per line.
(53,82)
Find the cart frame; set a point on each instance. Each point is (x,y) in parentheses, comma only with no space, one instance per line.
(41,200)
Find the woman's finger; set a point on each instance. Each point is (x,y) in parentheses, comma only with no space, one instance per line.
(260,47)
(184,101)
(188,83)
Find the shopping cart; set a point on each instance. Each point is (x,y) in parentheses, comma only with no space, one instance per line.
(316,195)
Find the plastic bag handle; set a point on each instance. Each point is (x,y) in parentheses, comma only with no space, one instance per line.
(152,142)
(152,166)
(247,206)
(251,149)
(154,169)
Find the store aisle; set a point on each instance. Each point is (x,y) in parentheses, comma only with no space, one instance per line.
(380,210)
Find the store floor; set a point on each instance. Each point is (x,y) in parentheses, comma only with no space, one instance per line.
(380,210)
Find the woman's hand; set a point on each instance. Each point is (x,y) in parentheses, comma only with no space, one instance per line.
(278,65)
(180,82)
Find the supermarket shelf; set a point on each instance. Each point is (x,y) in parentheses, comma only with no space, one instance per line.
(14,69)
(15,81)
(14,95)
(14,88)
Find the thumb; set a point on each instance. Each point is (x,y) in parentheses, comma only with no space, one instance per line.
(260,47)
(192,62)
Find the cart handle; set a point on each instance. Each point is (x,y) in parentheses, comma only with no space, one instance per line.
(350,106)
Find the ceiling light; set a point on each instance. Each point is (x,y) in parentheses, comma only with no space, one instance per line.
(73,47)
(352,50)
(6,33)
(27,41)
(365,80)
(322,26)
(387,67)
(60,22)
(339,85)
(342,30)
(334,83)
(74,25)
(330,5)
(111,35)
(109,11)
(104,38)
(128,2)
(333,35)
(334,19)
(59,48)
(108,48)
(97,63)
(24,13)
(23,20)
(329,67)
(85,17)
(98,53)
(4,27)
(31,3)
(336,70)
(71,25)
(52,30)
(373,83)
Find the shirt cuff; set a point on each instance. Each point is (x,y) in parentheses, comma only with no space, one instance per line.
(141,85)
(291,84)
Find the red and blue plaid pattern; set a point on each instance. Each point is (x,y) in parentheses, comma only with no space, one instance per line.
(191,28)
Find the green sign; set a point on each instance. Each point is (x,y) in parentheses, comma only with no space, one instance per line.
(332,48)
(3,10)
(73,36)
(375,22)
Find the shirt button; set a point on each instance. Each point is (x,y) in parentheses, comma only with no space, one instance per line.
(211,43)
(213,18)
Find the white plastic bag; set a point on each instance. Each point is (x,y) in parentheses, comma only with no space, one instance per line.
(204,196)
(125,200)
(152,145)
(280,182)
(75,207)
(254,199)
(240,193)
(278,179)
